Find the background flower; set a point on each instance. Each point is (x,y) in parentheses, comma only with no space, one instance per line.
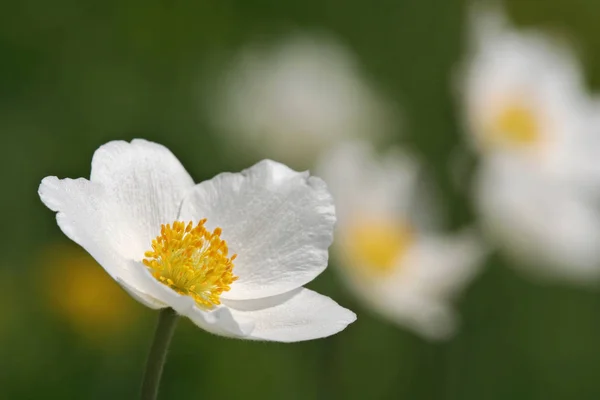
(293,98)
(389,254)
(530,118)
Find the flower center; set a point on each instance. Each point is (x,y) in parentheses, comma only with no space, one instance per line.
(516,125)
(376,247)
(192,261)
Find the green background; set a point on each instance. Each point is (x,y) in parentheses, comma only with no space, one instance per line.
(76,74)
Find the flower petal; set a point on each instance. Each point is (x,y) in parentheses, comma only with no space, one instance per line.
(418,293)
(91,219)
(431,318)
(147,182)
(278,221)
(442,265)
(298,315)
(407,301)
(143,298)
(220,321)
(134,187)
(549,224)
(361,179)
(156,295)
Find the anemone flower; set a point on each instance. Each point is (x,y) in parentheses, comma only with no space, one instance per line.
(388,249)
(294,98)
(232,253)
(530,119)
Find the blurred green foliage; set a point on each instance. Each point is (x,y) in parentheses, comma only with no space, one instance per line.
(75,75)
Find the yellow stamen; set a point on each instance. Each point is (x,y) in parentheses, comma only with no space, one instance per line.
(515,125)
(375,247)
(192,261)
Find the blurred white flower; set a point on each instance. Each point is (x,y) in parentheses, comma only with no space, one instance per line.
(167,241)
(524,97)
(549,224)
(398,266)
(528,115)
(292,99)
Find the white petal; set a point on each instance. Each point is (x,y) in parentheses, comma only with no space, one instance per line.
(295,316)
(218,320)
(134,187)
(440,266)
(407,301)
(279,222)
(290,317)
(418,294)
(364,182)
(89,217)
(548,224)
(434,320)
(143,298)
(147,182)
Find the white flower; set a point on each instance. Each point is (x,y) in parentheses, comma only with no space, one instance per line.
(390,258)
(171,243)
(529,116)
(524,97)
(295,98)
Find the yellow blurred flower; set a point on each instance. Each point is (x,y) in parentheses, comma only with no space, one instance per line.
(82,294)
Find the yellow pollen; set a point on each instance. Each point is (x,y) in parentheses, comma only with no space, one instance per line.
(192,261)
(376,247)
(515,125)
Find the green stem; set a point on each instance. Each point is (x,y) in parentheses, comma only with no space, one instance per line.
(167,321)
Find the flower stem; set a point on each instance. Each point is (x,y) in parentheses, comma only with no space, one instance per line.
(167,321)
